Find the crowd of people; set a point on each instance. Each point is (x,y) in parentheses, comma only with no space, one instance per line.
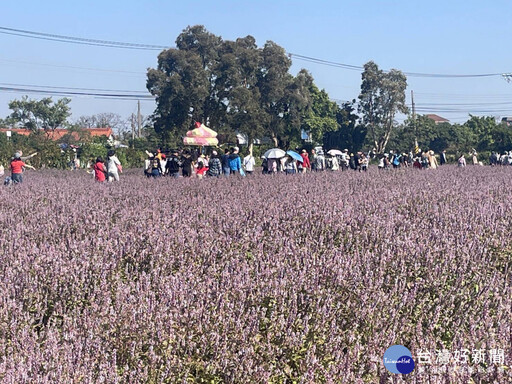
(189,163)
(192,163)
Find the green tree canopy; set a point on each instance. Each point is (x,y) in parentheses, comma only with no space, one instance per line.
(382,96)
(228,85)
(39,114)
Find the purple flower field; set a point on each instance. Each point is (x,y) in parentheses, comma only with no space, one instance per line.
(263,279)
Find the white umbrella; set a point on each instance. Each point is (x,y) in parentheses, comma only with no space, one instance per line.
(274,153)
(335,152)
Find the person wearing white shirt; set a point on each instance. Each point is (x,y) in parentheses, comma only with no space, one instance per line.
(113,166)
(249,164)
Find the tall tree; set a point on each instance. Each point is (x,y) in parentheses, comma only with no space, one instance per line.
(349,134)
(237,82)
(183,82)
(283,97)
(228,85)
(483,128)
(320,118)
(382,96)
(40,114)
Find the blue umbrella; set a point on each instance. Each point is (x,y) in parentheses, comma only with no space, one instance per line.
(295,156)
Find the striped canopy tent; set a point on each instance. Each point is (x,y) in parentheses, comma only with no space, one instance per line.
(202,136)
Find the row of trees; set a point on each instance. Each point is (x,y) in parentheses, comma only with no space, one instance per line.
(238,87)
(235,86)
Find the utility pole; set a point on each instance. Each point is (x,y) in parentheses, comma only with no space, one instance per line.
(139,119)
(414,122)
(133,130)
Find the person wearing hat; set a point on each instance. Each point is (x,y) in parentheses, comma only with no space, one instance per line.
(17,166)
(344,160)
(432,160)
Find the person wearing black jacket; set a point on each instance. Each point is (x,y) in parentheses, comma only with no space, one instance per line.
(172,167)
(186,164)
(226,170)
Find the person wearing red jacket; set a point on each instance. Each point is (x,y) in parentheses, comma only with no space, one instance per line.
(100,170)
(306,165)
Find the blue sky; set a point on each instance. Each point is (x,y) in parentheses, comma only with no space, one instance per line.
(440,37)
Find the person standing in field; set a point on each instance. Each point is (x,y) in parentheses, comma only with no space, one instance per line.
(432,160)
(17,166)
(100,171)
(225,163)
(462,161)
(474,157)
(187,164)
(113,166)
(234,161)
(306,165)
(172,167)
(249,163)
(443,157)
(214,165)
(290,166)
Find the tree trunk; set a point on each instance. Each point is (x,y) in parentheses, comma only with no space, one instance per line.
(274,139)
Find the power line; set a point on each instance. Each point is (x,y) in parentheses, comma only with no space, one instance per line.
(79,40)
(129,45)
(101,95)
(409,74)
(66,88)
(73,67)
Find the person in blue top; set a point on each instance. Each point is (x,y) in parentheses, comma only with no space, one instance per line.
(235,164)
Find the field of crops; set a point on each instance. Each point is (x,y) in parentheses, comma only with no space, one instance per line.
(263,279)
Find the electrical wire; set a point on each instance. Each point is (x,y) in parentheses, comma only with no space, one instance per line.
(119,96)
(409,74)
(79,40)
(66,88)
(73,67)
(129,45)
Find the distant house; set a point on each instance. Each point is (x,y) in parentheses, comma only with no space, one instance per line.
(59,133)
(438,119)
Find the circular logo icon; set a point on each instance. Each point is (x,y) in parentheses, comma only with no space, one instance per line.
(398,359)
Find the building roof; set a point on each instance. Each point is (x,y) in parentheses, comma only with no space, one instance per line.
(59,133)
(437,119)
